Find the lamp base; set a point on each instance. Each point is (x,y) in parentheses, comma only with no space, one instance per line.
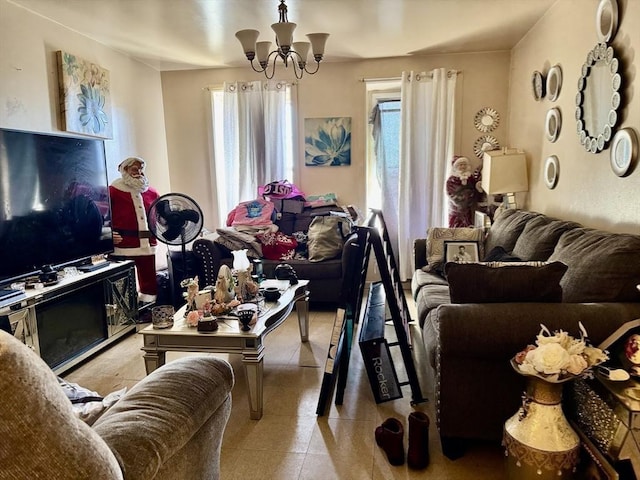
(509,201)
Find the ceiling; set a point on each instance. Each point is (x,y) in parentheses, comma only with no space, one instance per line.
(193,34)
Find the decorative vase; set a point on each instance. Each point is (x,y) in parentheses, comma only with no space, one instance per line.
(539,442)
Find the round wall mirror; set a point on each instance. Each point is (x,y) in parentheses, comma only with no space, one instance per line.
(551,171)
(607,20)
(598,98)
(553,124)
(554,82)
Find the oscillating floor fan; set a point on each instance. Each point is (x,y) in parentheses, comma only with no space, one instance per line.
(175,219)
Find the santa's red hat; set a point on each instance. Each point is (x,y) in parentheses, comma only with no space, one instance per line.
(130,161)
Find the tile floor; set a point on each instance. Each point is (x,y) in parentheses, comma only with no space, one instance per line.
(291,441)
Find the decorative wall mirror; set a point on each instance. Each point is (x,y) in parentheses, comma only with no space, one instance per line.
(537,85)
(553,123)
(485,143)
(607,20)
(598,98)
(551,171)
(487,119)
(554,82)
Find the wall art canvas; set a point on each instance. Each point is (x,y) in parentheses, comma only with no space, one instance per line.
(327,141)
(85,97)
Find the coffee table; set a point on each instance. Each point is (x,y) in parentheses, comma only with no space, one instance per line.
(229,338)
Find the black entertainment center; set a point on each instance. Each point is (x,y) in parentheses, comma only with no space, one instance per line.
(55,212)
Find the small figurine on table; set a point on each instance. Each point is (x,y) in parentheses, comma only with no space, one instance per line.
(192,286)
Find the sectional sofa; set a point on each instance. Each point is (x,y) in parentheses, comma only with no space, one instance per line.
(480,316)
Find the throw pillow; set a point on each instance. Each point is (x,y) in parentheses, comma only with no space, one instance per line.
(277,246)
(326,237)
(498,282)
(435,244)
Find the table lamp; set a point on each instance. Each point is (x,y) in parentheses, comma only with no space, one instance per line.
(505,172)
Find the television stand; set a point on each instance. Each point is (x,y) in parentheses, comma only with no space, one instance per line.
(92,267)
(81,314)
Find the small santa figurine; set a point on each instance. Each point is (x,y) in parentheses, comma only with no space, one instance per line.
(464,191)
(131,197)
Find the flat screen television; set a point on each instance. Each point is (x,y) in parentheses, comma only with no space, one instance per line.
(54,202)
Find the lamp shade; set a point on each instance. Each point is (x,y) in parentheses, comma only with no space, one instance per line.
(504,171)
(262,51)
(284,33)
(302,49)
(248,40)
(318,42)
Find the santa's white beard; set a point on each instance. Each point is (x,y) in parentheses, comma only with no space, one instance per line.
(139,184)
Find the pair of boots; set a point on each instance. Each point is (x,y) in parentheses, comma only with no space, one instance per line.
(390,437)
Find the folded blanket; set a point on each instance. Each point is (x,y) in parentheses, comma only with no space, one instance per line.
(235,240)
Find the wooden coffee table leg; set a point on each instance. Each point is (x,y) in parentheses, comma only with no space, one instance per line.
(153,360)
(302,307)
(253,369)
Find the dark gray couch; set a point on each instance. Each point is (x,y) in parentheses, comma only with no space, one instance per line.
(469,345)
(325,277)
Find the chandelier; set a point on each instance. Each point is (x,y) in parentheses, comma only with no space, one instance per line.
(294,53)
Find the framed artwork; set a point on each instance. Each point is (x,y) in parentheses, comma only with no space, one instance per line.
(327,141)
(461,251)
(85,97)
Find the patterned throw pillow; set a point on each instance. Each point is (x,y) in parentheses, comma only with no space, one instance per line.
(435,244)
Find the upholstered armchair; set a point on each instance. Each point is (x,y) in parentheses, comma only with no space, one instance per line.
(169,426)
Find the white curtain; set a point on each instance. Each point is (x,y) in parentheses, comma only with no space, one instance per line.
(258,141)
(426,145)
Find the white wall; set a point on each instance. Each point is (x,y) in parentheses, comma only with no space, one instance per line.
(588,191)
(29,89)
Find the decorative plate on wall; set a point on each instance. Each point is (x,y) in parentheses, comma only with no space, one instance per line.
(551,171)
(607,20)
(487,120)
(624,151)
(485,143)
(538,85)
(554,82)
(553,123)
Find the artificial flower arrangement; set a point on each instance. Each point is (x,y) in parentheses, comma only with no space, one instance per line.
(558,356)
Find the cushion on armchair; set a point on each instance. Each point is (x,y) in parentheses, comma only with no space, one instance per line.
(496,282)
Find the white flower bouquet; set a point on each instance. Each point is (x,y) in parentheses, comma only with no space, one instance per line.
(557,356)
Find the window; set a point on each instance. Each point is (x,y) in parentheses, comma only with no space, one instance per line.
(253,139)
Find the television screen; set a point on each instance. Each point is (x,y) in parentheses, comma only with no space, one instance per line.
(54,201)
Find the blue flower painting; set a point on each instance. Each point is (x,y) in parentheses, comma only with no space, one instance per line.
(327,141)
(85,97)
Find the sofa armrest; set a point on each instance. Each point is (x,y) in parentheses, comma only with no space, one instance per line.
(210,256)
(500,330)
(159,416)
(419,253)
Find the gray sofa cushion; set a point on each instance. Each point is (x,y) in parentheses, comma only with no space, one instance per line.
(507,227)
(540,236)
(504,282)
(430,297)
(603,267)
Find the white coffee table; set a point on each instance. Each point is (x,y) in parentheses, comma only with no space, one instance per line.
(229,338)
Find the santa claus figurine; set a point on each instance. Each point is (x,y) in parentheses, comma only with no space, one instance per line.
(131,197)
(464,191)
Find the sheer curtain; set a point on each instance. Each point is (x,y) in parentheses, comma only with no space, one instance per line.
(426,144)
(253,139)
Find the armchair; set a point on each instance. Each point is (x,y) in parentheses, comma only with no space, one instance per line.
(169,426)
